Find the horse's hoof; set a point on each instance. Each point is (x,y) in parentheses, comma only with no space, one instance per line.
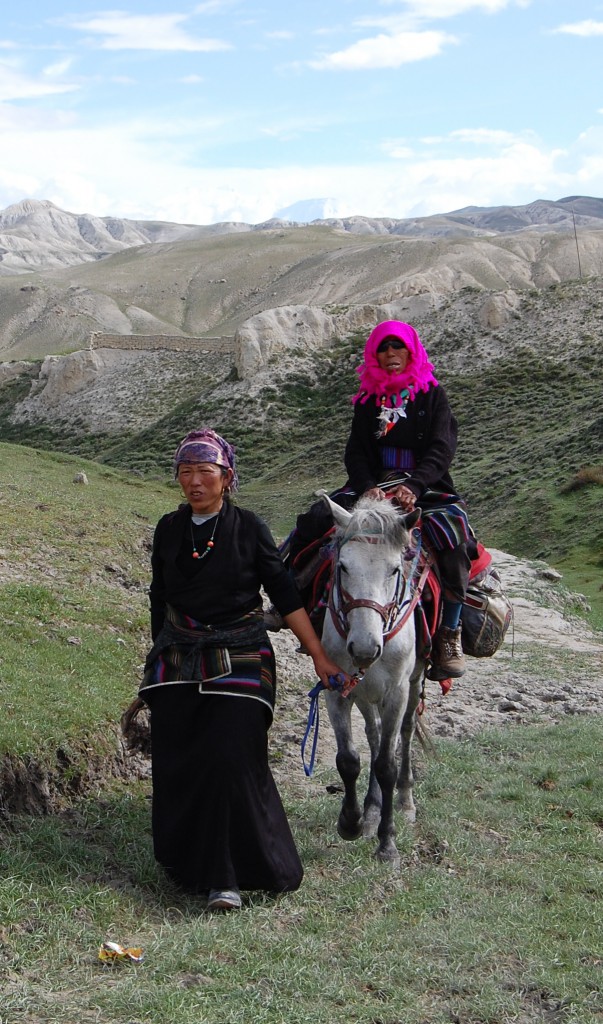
(389,857)
(406,806)
(348,832)
(370,825)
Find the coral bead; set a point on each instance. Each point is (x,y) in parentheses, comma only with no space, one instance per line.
(195,554)
(210,543)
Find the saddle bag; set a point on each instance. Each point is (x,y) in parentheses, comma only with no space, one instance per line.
(487,612)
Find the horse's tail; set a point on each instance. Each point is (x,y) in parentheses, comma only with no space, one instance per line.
(424,737)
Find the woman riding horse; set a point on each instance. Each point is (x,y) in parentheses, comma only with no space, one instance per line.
(403,430)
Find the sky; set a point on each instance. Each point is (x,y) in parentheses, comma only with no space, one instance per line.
(241,110)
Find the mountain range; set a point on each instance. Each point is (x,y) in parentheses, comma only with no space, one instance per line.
(64,276)
(36,234)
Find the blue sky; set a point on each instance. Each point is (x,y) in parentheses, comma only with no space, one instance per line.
(237,109)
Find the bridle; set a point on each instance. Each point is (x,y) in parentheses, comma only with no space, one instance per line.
(395,613)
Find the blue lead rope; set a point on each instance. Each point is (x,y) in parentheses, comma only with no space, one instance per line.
(314,721)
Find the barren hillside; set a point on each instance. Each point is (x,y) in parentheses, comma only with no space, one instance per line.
(209,283)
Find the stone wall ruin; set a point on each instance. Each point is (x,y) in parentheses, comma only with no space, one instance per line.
(160,343)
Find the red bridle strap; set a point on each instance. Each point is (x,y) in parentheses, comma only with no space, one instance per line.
(339,615)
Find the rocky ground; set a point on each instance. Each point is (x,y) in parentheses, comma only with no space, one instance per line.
(550,666)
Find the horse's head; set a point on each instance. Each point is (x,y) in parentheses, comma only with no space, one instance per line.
(369,581)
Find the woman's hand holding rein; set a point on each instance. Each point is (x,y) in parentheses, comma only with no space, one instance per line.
(300,625)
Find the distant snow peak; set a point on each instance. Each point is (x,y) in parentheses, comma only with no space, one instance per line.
(307,210)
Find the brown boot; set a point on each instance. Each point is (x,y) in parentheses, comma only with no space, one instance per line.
(447,654)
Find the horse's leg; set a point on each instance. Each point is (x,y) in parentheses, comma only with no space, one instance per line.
(405,801)
(349,824)
(386,773)
(372,800)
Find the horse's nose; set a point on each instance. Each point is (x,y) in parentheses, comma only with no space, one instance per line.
(364,655)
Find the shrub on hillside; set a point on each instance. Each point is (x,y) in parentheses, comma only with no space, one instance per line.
(583,478)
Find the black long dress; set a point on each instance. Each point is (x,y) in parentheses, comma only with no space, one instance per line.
(218,820)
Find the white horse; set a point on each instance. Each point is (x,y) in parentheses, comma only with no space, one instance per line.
(369,626)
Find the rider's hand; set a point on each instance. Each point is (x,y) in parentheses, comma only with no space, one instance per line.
(405,498)
(375,492)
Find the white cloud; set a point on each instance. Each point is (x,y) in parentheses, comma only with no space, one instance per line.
(451,8)
(120,31)
(191,79)
(16,86)
(484,136)
(75,168)
(409,14)
(582,28)
(280,34)
(51,154)
(213,6)
(385,51)
(60,68)
(397,149)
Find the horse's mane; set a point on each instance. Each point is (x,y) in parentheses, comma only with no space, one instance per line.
(375,518)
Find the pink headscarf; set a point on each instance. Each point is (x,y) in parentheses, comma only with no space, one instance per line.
(418,375)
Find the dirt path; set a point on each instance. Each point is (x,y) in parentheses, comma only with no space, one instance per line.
(550,666)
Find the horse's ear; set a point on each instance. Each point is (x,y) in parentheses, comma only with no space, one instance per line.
(412,518)
(340,515)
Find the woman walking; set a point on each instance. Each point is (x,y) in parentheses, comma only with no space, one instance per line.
(219,825)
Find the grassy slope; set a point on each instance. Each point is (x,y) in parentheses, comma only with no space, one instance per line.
(73,571)
(493,918)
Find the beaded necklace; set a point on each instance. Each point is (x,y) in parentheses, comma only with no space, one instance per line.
(210,542)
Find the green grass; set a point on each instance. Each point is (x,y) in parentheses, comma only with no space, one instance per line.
(493,918)
(75,570)
(527,425)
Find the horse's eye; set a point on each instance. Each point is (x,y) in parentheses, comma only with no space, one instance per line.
(342,568)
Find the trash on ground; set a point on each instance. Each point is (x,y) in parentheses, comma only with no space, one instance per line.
(112,951)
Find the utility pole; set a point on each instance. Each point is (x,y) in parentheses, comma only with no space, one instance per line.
(577,249)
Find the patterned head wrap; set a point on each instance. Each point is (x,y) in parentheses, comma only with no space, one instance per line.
(418,375)
(207,446)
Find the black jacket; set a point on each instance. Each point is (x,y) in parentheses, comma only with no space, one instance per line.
(226,584)
(429,430)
